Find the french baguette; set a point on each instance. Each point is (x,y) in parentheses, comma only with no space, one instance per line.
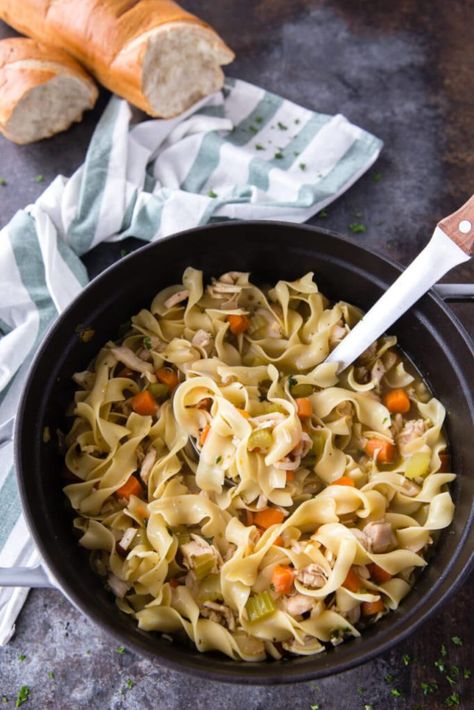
(42,90)
(152,52)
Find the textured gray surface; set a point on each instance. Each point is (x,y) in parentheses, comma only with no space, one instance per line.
(401,74)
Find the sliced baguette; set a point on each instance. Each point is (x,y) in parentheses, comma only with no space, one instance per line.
(42,90)
(152,52)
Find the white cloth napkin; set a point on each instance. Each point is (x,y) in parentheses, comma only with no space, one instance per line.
(243,153)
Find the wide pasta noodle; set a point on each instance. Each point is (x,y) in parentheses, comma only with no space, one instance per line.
(232,489)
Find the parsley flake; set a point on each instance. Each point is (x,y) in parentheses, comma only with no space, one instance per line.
(452,700)
(252,129)
(443,650)
(405,658)
(123,252)
(120,649)
(439,664)
(322,214)
(258,119)
(130,683)
(259,146)
(3,181)
(368,707)
(282,126)
(360,690)
(302,166)
(39,178)
(292,381)
(147,342)
(389,678)
(50,675)
(315,707)
(457,640)
(278,155)
(211,193)
(429,688)
(21,657)
(23,696)
(396,693)
(376,177)
(357,227)
(466,673)
(218,459)
(450,680)
(297,120)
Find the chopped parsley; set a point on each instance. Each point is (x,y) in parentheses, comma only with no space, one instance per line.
(282,126)
(368,707)
(360,690)
(405,658)
(120,649)
(147,342)
(440,665)
(259,146)
(129,683)
(258,119)
(396,693)
(21,657)
(84,333)
(218,459)
(357,227)
(466,673)
(376,177)
(23,696)
(457,640)
(39,178)
(252,129)
(389,678)
(302,166)
(443,650)
(322,214)
(429,688)
(315,707)
(292,381)
(278,155)
(452,700)
(211,193)
(297,120)
(123,252)
(50,675)
(3,181)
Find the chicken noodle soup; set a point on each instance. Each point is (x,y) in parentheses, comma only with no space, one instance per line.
(233,489)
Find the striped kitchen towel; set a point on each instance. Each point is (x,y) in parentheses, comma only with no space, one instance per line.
(243,153)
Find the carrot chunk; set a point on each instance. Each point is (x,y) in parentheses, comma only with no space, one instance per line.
(352,581)
(243,412)
(445,460)
(132,487)
(397,401)
(304,407)
(343,481)
(378,574)
(384,450)
(203,435)
(168,376)
(238,324)
(278,541)
(290,476)
(267,517)
(282,579)
(144,403)
(372,608)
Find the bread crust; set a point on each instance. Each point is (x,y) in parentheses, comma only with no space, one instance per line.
(109,37)
(25,65)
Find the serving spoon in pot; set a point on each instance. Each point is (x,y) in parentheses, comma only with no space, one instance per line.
(452,243)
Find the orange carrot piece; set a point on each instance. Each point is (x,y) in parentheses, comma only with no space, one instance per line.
(445,460)
(144,403)
(132,487)
(378,574)
(304,407)
(290,476)
(397,401)
(385,449)
(238,324)
(372,608)
(204,434)
(282,579)
(243,412)
(267,517)
(343,481)
(278,541)
(352,581)
(168,376)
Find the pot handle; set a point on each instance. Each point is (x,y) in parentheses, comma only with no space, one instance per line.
(35,577)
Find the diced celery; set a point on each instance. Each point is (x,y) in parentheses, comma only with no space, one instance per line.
(301,390)
(210,589)
(259,606)
(318,439)
(203,565)
(260,440)
(418,465)
(159,391)
(270,407)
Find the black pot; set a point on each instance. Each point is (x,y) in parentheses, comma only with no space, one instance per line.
(429,333)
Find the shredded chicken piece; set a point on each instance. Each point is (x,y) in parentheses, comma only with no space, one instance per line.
(362,571)
(360,537)
(118,586)
(353,615)
(397,424)
(196,548)
(84,379)
(147,464)
(313,576)
(232,277)
(299,604)
(202,339)
(413,429)
(410,488)
(389,359)
(380,536)
(176,298)
(377,371)
(127,538)
(266,421)
(368,354)
(337,333)
(262,502)
(220,613)
(128,358)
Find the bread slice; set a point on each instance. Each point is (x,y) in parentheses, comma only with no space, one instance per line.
(42,90)
(152,52)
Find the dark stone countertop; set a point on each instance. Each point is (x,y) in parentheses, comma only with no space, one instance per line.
(404,71)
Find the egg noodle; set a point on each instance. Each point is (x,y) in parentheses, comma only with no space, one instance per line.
(233,489)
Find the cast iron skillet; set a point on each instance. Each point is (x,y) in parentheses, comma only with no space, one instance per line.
(429,334)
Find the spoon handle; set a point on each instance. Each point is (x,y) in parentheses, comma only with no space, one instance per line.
(451,244)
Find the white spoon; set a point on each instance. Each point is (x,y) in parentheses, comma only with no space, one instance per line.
(452,243)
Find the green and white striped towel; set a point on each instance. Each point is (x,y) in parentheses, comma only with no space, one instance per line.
(243,153)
